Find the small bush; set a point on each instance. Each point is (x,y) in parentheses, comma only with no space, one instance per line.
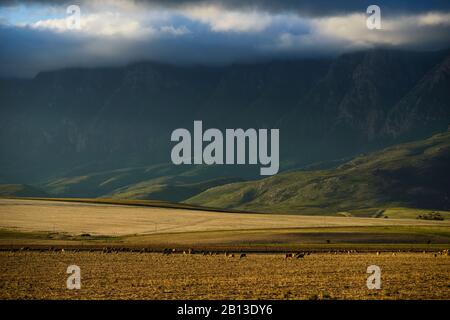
(430,216)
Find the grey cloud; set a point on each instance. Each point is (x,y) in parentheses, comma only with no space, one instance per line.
(302,7)
(27,51)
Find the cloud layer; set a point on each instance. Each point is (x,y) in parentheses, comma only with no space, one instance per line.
(115,32)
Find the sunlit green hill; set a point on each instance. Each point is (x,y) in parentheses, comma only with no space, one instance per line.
(412,175)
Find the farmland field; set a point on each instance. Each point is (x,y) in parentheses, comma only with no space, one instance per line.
(108,219)
(42,275)
(43,222)
(118,248)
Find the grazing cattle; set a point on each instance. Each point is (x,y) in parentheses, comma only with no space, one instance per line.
(230,255)
(378,253)
(300,255)
(243,255)
(289,256)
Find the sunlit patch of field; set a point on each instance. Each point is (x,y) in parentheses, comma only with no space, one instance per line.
(42,275)
(108,219)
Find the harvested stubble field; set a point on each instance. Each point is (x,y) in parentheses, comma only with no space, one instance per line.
(42,275)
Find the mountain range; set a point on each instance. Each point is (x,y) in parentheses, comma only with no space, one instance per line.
(105,132)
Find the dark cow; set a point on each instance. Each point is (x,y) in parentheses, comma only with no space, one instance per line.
(300,255)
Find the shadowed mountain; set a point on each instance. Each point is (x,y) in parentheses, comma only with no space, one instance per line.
(20,190)
(425,107)
(106,131)
(413,175)
(158,182)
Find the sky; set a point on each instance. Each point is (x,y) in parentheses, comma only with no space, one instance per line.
(35,36)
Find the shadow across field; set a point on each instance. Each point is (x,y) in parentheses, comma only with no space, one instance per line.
(264,240)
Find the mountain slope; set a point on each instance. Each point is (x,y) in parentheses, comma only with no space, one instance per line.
(20,190)
(109,118)
(408,175)
(83,132)
(166,190)
(426,106)
(158,182)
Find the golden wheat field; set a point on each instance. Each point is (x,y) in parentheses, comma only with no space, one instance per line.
(42,275)
(104,219)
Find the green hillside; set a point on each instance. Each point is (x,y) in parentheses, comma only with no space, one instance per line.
(20,190)
(158,182)
(412,175)
(162,189)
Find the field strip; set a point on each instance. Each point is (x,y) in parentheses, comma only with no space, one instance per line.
(127,275)
(107,219)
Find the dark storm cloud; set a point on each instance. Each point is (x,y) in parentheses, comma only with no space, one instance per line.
(236,31)
(317,7)
(29,51)
(25,51)
(303,7)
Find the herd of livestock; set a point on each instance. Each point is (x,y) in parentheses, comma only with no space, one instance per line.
(240,255)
